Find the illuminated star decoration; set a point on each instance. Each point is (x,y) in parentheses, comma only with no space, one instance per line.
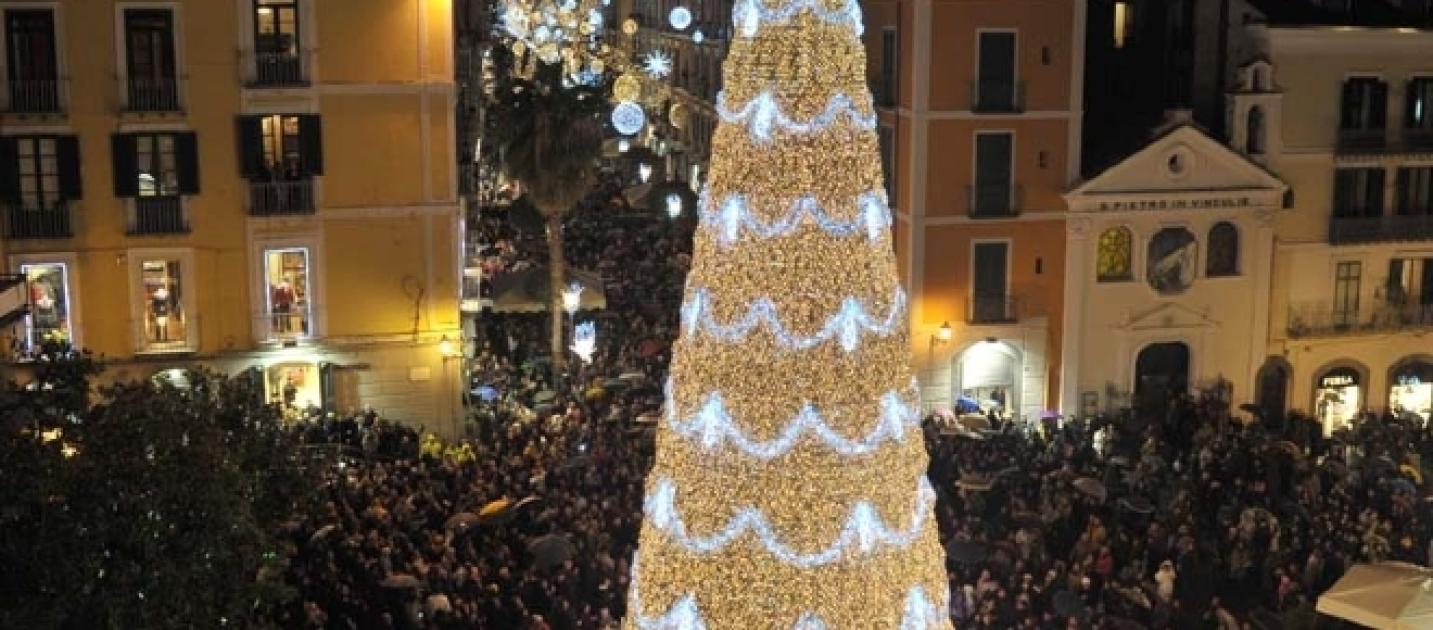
(658,64)
(628,118)
(584,340)
(680,18)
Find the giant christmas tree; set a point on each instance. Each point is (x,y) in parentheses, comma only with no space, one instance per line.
(789,489)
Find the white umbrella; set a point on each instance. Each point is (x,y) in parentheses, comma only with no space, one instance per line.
(1388,595)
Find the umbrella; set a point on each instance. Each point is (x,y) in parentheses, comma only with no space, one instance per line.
(967,552)
(1068,604)
(486,392)
(1049,414)
(1403,485)
(966,404)
(1123,623)
(1252,409)
(550,550)
(495,511)
(632,376)
(1390,595)
(973,483)
(461,521)
(322,533)
(1091,487)
(1409,470)
(543,409)
(1028,520)
(400,581)
(544,396)
(974,421)
(526,502)
(1138,505)
(615,383)
(1119,460)
(970,435)
(1289,447)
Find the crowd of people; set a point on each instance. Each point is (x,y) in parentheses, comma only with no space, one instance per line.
(1187,518)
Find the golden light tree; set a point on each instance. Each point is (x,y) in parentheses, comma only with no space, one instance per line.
(789,487)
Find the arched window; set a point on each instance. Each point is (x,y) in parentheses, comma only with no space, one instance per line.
(1223,250)
(1255,129)
(1172,255)
(1114,263)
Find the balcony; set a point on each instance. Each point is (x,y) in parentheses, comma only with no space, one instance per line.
(992,309)
(278,70)
(25,222)
(985,201)
(1325,320)
(34,96)
(157,216)
(1371,142)
(1384,229)
(1418,140)
(276,199)
(152,95)
(1362,140)
(997,96)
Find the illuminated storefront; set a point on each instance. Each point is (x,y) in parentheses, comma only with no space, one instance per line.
(1411,389)
(1338,396)
(294,385)
(49,303)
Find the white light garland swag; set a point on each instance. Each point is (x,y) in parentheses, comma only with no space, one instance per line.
(749,15)
(846,325)
(734,214)
(762,115)
(713,427)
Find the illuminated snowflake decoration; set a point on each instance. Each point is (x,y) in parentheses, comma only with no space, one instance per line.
(628,118)
(698,37)
(680,18)
(658,64)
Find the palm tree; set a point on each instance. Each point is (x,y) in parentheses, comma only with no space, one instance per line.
(551,136)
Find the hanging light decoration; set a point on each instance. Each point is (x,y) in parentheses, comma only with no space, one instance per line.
(674,205)
(629,26)
(566,32)
(680,18)
(644,171)
(658,64)
(627,87)
(698,37)
(628,118)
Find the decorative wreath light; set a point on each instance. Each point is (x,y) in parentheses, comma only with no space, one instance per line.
(629,26)
(628,118)
(627,87)
(680,18)
(678,115)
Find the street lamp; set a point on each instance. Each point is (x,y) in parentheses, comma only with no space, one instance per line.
(674,205)
(584,340)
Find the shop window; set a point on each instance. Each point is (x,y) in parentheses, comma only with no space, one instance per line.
(1114,255)
(165,323)
(294,385)
(49,318)
(1411,391)
(1338,397)
(1171,262)
(286,284)
(1223,250)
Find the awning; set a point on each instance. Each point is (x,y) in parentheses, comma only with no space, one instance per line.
(526,291)
(1388,595)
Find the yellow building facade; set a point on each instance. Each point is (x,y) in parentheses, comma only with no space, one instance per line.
(980,106)
(259,186)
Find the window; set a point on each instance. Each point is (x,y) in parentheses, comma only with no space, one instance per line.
(1255,130)
(155,164)
(1410,282)
(887,137)
(1171,260)
(1115,249)
(1365,104)
(155,170)
(1124,23)
(1223,250)
(150,60)
(995,84)
(280,147)
(890,67)
(1419,114)
(1415,191)
(993,194)
(1347,277)
(276,27)
(49,318)
(990,270)
(1358,192)
(286,283)
(40,174)
(165,324)
(31,60)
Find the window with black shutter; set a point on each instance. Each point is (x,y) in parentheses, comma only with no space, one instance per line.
(281,147)
(162,164)
(993,188)
(1365,104)
(31,62)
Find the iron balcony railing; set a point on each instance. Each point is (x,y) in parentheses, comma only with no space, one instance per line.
(34,96)
(1325,320)
(24,221)
(158,215)
(993,201)
(997,96)
(1417,139)
(280,69)
(1394,228)
(992,309)
(148,94)
(268,199)
(1362,139)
